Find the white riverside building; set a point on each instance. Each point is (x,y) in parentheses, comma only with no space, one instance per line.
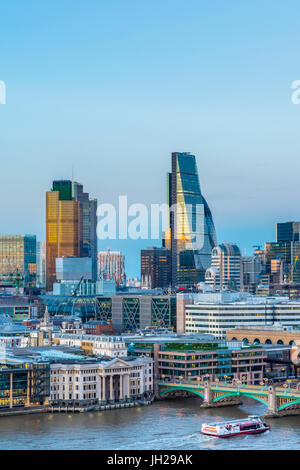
(102,381)
(112,346)
(214,313)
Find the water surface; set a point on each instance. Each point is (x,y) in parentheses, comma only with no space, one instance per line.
(165,425)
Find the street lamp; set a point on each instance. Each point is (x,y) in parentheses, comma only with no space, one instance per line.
(189,376)
(163,377)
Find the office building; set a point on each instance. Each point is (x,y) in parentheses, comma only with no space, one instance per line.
(41,264)
(73,269)
(18,260)
(285,252)
(111,346)
(88,217)
(155,268)
(63,227)
(217,312)
(190,234)
(131,313)
(226,268)
(111,267)
(288,232)
(190,361)
(252,269)
(23,381)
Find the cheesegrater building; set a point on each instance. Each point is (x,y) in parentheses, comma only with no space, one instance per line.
(190,234)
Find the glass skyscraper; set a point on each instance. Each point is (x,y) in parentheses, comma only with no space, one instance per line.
(63,228)
(288,232)
(71,225)
(18,258)
(191,233)
(88,236)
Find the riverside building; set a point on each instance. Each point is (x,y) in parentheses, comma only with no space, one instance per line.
(200,357)
(104,381)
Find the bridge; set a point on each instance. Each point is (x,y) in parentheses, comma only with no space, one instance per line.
(279,401)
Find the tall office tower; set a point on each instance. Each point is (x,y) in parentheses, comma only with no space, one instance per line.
(88,214)
(111,267)
(283,256)
(155,268)
(288,232)
(41,264)
(226,268)
(63,227)
(18,260)
(252,268)
(190,234)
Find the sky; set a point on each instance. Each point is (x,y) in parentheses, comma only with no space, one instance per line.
(111,87)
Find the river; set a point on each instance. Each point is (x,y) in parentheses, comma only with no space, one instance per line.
(165,425)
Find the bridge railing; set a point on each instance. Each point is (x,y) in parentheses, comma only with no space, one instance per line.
(286,390)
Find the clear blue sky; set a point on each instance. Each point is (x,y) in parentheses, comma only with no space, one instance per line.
(113,87)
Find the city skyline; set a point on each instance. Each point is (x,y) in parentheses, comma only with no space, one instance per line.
(131,248)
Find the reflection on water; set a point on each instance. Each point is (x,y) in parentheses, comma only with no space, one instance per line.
(168,424)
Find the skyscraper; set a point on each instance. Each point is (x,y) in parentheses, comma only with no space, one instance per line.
(41,264)
(63,227)
(88,222)
(288,232)
(111,266)
(155,268)
(226,268)
(191,233)
(18,259)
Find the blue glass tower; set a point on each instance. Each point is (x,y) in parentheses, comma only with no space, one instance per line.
(191,233)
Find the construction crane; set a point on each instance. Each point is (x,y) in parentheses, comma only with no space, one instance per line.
(74,293)
(293,266)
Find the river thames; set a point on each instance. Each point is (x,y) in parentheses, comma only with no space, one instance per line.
(165,425)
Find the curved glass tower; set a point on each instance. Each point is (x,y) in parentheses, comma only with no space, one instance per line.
(191,233)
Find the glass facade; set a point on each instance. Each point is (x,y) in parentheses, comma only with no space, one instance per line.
(288,232)
(18,259)
(191,233)
(111,266)
(155,268)
(63,229)
(22,382)
(88,222)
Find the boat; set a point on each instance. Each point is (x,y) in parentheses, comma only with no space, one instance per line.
(251,425)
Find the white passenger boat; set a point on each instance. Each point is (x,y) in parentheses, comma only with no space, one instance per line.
(250,425)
